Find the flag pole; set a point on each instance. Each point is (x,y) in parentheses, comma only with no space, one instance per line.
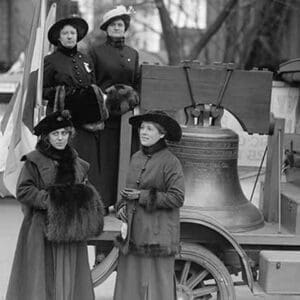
(39,92)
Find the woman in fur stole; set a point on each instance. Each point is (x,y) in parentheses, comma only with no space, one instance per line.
(149,209)
(61,210)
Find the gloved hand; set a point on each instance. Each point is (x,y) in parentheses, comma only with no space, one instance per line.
(130,194)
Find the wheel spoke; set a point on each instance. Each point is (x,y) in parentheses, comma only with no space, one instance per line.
(191,283)
(185,272)
(205,291)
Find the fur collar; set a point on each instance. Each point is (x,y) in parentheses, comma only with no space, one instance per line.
(66,161)
(159,145)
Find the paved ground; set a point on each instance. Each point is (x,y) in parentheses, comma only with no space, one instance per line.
(10,221)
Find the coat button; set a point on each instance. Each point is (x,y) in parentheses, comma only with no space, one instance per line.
(74,60)
(138,181)
(76,67)
(80,80)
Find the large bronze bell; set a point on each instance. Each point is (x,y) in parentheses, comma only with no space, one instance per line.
(209,159)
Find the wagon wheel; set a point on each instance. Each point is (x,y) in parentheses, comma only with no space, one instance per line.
(100,272)
(201,275)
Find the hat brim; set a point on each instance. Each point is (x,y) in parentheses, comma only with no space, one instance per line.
(173,129)
(80,24)
(124,17)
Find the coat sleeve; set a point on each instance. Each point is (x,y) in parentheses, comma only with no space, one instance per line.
(173,196)
(28,192)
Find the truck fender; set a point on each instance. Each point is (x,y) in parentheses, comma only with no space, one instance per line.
(191,215)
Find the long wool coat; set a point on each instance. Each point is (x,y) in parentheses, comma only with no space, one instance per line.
(146,262)
(114,63)
(70,68)
(73,69)
(44,270)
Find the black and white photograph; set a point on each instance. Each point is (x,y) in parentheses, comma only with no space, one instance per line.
(149,149)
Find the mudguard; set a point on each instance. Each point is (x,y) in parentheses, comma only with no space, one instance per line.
(189,214)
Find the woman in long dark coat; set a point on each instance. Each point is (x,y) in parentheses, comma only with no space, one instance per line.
(115,63)
(149,209)
(61,210)
(69,82)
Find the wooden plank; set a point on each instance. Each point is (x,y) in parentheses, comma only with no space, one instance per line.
(272,176)
(268,235)
(247,96)
(125,150)
(111,230)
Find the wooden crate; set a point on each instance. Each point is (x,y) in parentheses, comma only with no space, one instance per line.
(247,95)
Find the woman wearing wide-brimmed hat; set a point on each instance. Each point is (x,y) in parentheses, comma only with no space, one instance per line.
(116,69)
(149,208)
(69,82)
(61,211)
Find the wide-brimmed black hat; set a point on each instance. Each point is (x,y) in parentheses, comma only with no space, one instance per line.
(80,24)
(54,121)
(160,117)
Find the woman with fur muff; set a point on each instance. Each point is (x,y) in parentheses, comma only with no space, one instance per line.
(149,209)
(61,211)
(116,70)
(69,82)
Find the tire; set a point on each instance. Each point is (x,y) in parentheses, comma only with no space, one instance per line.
(201,275)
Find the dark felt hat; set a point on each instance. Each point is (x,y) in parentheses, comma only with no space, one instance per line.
(160,117)
(80,24)
(54,121)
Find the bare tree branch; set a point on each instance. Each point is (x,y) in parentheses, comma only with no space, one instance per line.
(169,33)
(212,29)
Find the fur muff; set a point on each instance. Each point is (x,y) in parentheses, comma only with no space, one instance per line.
(75,213)
(87,106)
(120,99)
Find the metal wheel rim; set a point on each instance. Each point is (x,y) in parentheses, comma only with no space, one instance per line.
(103,270)
(201,275)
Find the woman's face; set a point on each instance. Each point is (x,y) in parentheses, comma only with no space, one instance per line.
(116,28)
(59,138)
(68,36)
(149,134)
